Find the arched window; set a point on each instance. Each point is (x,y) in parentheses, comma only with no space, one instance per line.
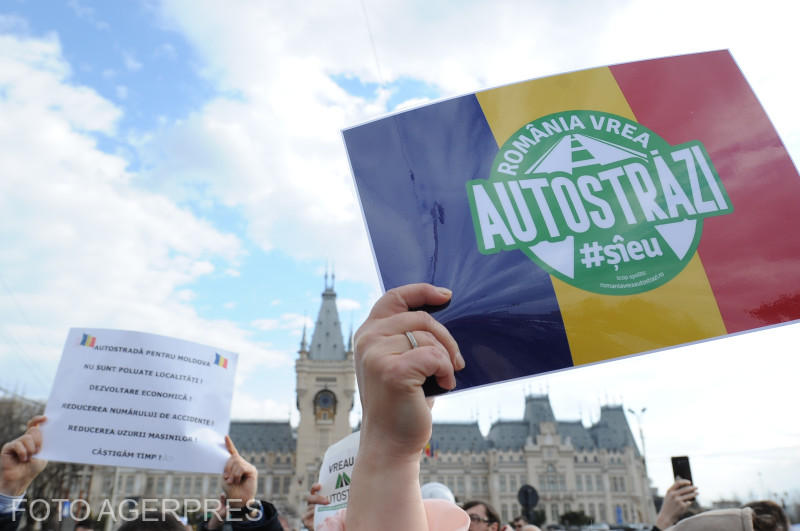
(324,405)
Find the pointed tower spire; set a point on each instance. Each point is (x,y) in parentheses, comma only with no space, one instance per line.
(350,338)
(303,341)
(326,341)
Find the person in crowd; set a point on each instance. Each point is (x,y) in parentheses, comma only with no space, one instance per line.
(313,498)
(18,468)
(153,521)
(395,351)
(718,520)
(521,523)
(482,516)
(238,503)
(755,516)
(677,500)
(768,516)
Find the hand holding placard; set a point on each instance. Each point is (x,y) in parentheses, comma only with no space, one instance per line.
(18,466)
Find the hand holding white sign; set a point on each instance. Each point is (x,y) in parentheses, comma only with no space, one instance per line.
(18,466)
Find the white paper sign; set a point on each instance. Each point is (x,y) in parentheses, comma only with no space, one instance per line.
(335,474)
(139,400)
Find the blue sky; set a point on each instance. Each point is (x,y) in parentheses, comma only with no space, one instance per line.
(127,55)
(177,167)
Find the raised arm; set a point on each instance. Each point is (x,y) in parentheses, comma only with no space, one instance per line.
(239,485)
(396,425)
(676,502)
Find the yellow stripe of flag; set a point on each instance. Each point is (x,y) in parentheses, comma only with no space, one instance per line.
(601,327)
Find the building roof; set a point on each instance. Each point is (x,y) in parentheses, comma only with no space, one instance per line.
(508,434)
(262,436)
(538,410)
(458,437)
(327,342)
(578,434)
(612,431)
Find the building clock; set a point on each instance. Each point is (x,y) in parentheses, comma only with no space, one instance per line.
(324,405)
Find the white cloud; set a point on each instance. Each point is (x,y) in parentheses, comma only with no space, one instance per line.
(287,321)
(166,50)
(122,92)
(32,74)
(245,406)
(130,62)
(83,246)
(186,295)
(88,14)
(13,24)
(273,148)
(346,305)
(265,324)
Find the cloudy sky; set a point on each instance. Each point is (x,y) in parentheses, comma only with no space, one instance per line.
(177,167)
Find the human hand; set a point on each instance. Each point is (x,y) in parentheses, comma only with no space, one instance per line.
(239,479)
(218,515)
(390,373)
(676,502)
(313,499)
(18,467)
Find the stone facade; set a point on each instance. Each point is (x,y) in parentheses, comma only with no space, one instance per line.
(597,470)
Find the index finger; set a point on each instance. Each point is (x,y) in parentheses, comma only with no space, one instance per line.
(230,446)
(400,299)
(317,499)
(679,483)
(36,421)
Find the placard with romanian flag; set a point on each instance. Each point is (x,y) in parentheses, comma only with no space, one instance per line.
(587,216)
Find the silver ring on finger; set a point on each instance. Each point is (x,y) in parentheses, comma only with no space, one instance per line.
(412,340)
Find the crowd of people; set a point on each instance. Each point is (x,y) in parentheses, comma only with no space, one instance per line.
(396,350)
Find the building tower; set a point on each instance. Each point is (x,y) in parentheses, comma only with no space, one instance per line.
(325,391)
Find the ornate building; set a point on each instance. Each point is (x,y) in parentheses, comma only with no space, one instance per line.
(598,469)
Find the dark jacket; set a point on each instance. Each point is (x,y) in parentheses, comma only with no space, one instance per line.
(268,521)
(8,522)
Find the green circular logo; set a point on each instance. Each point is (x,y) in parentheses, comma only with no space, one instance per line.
(597,200)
